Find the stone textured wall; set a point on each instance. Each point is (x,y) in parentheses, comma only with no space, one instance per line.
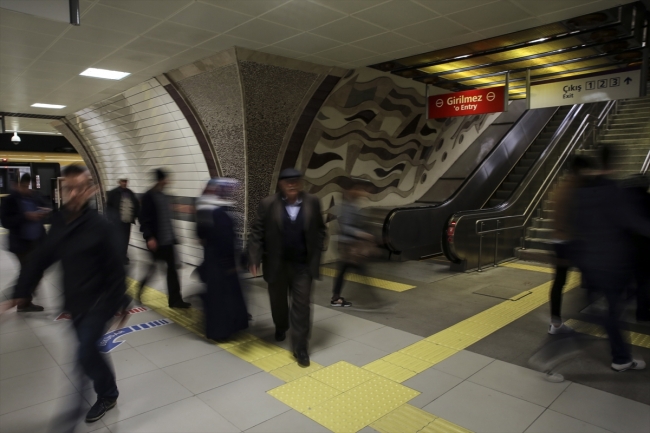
(217,99)
(272,95)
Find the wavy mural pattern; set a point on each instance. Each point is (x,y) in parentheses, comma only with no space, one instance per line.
(373,126)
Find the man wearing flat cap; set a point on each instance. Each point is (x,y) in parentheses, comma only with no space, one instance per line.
(287,238)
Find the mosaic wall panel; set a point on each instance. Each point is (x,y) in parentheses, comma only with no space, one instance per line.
(373,126)
(137,131)
(216,97)
(272,96)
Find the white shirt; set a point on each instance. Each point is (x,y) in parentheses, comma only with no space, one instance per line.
(293,209)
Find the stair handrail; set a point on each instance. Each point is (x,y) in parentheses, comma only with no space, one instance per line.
(646,164)
(548,180)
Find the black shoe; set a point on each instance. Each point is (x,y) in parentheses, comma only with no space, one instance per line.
(340,302)
(302,358)
(180,304)
(280,335)
(99,409)
(30,308)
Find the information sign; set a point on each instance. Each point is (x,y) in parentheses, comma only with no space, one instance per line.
(468,102)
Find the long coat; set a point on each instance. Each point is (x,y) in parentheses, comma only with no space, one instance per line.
(265,241)
(223,302)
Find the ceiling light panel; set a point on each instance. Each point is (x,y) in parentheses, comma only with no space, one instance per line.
(105,74)
(52,106)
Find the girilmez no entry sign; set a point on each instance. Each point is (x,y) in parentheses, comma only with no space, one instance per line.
(468,102)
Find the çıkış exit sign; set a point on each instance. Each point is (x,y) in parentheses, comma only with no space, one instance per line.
(586,88)
(468,102)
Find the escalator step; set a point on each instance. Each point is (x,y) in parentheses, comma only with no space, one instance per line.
(515,178)
(502,195)
(494,202)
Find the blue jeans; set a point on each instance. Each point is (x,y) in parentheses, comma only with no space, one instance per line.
(90,327)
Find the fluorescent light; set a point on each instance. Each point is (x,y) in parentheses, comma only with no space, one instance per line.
(39,132)
(104,73)
(538,40)
(56,107)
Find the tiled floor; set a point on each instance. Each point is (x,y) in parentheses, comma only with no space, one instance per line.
(170,380)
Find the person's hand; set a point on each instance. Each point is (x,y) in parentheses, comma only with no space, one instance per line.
(34,216)
(253,270)
(152,244)
(7,305)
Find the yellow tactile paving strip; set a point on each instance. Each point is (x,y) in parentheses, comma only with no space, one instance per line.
(369,281)
(634,338)
(346,398)
(517,265)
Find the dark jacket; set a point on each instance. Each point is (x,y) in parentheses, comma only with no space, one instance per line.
(265,242)
(13,217)
(149,216)
(93,274)
(114,201)
(604,221)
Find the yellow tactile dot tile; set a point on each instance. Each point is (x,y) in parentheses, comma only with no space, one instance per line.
(634,338)
(453,341)
(440,425)
(370,281)
(342,376)
(427,350)
(389,371)
(293,371)
(359,407)
(304,394)
(254,350)
(238,339)
(275,361)
(529,267)
(408,362)
(404,419)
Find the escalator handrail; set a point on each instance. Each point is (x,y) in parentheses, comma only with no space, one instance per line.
(548,181)
(390,215)
(455,219)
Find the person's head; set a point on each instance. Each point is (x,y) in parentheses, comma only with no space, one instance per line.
(580,164)
(358,189)
(290,183)
(123,183)
(24,183)
(161,178)
(77,187)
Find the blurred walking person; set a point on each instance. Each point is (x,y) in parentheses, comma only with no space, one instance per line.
(123,209)
(22,213)
(562,239)
(223,302)
(287,237)
(603,217)
(355,244)
(158,231)
(93,279)
(638,188)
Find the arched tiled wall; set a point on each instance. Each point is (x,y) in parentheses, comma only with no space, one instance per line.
(137,131)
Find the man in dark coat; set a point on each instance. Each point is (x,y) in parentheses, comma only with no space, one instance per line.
(603,217)
(123,209)
(23,212)
(223,302)
(287,238)
(158,230)
(94,283)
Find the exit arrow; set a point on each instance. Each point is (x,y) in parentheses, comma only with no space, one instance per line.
(628,80)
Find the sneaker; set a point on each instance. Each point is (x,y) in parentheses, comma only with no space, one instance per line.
(562,329)
(30,308)
(99,409)
(553,377)
(340,302)
(635,364)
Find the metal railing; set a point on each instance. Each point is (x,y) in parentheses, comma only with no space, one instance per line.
(582,134)
(646,164)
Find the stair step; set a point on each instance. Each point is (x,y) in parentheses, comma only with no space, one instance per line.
(534,255)
(540,244)
(543,223)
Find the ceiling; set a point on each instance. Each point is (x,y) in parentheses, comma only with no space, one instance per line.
(42,59)
(599,42)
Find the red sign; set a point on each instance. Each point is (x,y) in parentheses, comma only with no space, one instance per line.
(479,101)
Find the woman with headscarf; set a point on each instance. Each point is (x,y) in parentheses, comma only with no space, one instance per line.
(223,302)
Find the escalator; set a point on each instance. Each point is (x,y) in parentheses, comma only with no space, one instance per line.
(516,138)
(490,234)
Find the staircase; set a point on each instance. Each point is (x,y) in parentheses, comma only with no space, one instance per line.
(629,136)
(528,159)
